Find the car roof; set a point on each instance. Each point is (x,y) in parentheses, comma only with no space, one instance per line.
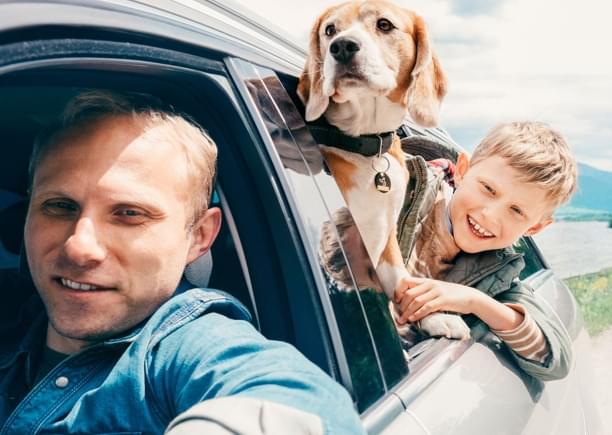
(217,25)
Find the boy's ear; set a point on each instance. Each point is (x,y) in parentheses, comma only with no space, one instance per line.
(535,229)
(461,167)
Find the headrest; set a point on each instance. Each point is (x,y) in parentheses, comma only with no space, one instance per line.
(12,220)
(428,148)
(198,271)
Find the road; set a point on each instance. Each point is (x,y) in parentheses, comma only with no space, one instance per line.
(601,356)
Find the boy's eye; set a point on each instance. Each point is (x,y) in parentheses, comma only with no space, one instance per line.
(60,207)
(517,210)
(488,188)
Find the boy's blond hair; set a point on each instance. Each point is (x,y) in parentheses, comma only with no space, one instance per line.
(538,153)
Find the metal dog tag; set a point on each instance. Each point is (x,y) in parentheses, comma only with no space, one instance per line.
(382,182)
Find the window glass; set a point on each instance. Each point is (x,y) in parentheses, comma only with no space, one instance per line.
(533,263)
(369,338)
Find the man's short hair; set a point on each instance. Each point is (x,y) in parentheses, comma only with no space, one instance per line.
(169,126)
(538,153)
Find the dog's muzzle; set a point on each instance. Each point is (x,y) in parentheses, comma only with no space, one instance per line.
(343,50)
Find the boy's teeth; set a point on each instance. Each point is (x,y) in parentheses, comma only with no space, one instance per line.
(478,228)
(77,285)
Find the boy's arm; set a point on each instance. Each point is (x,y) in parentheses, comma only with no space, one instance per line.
(513,325)
(418,297)
(527,339)
(559,359)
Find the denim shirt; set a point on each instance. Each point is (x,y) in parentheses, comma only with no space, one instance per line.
(199,345)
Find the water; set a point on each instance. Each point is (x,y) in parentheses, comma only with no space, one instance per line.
(576,248)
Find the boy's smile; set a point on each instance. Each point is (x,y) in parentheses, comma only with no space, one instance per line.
(493,207)
(479,230)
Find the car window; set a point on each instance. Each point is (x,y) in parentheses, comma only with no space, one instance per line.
(533,261)
(369,338)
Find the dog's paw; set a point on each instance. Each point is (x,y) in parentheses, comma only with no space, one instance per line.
(445,325)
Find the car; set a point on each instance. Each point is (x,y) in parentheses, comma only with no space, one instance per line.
(237,78)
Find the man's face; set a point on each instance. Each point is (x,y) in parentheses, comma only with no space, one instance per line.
(492,208)
(107,233)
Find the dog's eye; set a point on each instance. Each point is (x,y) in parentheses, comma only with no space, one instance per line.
(330,30)
(385,25)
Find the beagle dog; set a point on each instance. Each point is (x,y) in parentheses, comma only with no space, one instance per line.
(370,64)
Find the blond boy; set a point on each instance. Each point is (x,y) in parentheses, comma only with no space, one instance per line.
(457,242)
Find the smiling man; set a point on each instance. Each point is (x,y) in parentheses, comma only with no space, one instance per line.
(118,208)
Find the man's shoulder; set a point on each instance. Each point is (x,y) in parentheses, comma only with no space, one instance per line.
(187,306)
(203,300)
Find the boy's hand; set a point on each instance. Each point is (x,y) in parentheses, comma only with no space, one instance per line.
(418,297)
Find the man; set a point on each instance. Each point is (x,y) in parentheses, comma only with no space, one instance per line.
(118,208)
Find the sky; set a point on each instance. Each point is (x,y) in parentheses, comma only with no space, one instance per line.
(507,60)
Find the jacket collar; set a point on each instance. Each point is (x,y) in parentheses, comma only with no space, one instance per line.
(491,271)
(367,144)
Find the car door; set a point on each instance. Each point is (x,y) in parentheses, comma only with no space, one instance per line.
(366,345)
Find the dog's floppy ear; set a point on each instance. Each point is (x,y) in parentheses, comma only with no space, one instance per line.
(428,82)
(310,87)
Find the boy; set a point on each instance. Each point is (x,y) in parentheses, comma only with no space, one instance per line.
(457,244)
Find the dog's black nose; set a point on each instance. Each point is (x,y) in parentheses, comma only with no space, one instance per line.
(343,49)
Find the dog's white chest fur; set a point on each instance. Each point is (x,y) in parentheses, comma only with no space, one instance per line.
(374,212)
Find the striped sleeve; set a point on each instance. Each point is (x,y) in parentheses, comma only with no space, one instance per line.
(526,339)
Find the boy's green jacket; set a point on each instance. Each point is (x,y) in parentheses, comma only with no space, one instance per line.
(492,272)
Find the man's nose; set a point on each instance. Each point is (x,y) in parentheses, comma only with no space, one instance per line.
(344,49)
(83,246)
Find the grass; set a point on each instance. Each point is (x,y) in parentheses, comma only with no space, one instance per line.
(594,294)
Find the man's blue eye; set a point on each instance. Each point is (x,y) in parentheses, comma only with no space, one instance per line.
(130,215)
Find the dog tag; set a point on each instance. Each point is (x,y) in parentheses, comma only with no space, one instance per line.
(382,182)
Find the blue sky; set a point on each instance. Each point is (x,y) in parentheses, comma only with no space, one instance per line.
(546,60)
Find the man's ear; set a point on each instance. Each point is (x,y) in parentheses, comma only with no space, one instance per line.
(204,232)
(461,167)
(535,229)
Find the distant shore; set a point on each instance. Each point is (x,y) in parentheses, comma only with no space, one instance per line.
(573,248)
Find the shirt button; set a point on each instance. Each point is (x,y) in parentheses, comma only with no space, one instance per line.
(62,382)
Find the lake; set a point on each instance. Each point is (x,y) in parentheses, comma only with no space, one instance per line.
(576,248)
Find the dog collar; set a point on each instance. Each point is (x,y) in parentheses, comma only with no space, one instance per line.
(367,144)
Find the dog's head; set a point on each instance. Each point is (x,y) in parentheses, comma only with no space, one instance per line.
(373,48)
